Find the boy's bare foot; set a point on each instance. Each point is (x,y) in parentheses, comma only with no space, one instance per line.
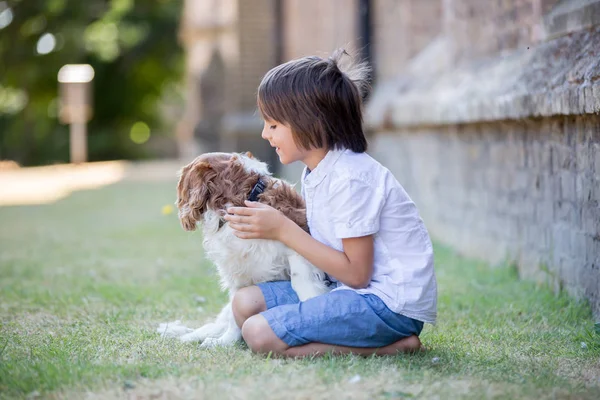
(411,344)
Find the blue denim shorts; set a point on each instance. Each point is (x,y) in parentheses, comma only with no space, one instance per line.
(341,317)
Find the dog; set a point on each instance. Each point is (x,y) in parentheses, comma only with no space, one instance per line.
(206,188)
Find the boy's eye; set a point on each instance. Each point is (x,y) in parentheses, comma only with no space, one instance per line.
(273,127)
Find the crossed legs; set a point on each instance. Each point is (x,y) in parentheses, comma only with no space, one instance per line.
(248,302)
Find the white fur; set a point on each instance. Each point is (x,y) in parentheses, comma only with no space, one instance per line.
(241,263)
(254,165)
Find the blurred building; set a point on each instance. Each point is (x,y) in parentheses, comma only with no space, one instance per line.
(486,112)
(230,44)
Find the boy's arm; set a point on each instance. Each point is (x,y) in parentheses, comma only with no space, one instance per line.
(353,266)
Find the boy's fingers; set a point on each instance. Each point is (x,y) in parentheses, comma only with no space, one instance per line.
(240,227)
(236,218)
(254,204)
(240,210)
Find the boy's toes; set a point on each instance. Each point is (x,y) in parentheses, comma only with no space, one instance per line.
(413,344)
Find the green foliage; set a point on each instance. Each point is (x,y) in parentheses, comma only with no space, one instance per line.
(132,46)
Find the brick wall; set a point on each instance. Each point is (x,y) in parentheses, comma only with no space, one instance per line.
(229,46)
(207,33)
(257,52)
(402,28)
(524,191)
(316,27)
(498,25)
(504,25)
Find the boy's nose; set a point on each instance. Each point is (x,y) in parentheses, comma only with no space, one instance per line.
(264,135)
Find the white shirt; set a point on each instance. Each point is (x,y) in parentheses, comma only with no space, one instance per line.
(351,195)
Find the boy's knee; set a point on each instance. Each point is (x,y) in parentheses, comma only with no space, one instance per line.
(247,302)
(259,336)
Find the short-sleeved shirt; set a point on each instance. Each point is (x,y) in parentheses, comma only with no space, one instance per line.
(352,195)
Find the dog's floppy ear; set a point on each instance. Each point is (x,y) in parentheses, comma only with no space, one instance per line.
(193,193)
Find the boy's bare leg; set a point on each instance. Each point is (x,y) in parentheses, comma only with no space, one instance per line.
(247,301)
(261,339)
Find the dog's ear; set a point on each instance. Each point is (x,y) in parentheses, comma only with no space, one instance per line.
(202,166)
(249,154)
(193,193)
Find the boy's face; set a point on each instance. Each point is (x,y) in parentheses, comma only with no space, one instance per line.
(280,136)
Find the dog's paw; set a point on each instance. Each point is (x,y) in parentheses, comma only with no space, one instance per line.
(190,337)
(212,342)
(173,329)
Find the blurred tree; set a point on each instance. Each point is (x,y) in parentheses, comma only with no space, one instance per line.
(132,46)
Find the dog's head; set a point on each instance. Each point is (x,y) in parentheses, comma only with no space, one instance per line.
(214,180)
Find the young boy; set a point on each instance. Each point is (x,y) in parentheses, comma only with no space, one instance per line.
(365,231)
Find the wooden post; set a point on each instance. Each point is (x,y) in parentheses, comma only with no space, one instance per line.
(76,106)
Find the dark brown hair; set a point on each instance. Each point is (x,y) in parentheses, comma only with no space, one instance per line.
(319,99)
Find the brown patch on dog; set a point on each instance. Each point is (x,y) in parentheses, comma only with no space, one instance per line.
(285,199)
(213,180)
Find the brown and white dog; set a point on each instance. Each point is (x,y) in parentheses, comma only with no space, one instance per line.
(207,187)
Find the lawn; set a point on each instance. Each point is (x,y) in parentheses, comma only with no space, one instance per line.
(86,280)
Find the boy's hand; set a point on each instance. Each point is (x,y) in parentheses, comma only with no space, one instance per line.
(256,221)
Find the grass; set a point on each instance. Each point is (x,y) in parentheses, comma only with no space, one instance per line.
(85,282)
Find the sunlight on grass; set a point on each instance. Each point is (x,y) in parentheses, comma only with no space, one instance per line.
(85,282)
(42,185)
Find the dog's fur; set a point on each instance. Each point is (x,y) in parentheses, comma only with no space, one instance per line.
(207,187)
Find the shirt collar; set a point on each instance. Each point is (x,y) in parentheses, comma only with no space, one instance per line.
(314,177)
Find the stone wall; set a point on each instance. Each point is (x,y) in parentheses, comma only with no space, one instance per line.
(518,191)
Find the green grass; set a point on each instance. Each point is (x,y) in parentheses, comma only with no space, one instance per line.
(85,282)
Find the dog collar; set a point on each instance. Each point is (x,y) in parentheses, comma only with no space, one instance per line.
(257,190)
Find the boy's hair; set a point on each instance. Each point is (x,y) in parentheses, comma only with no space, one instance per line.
(319,99)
